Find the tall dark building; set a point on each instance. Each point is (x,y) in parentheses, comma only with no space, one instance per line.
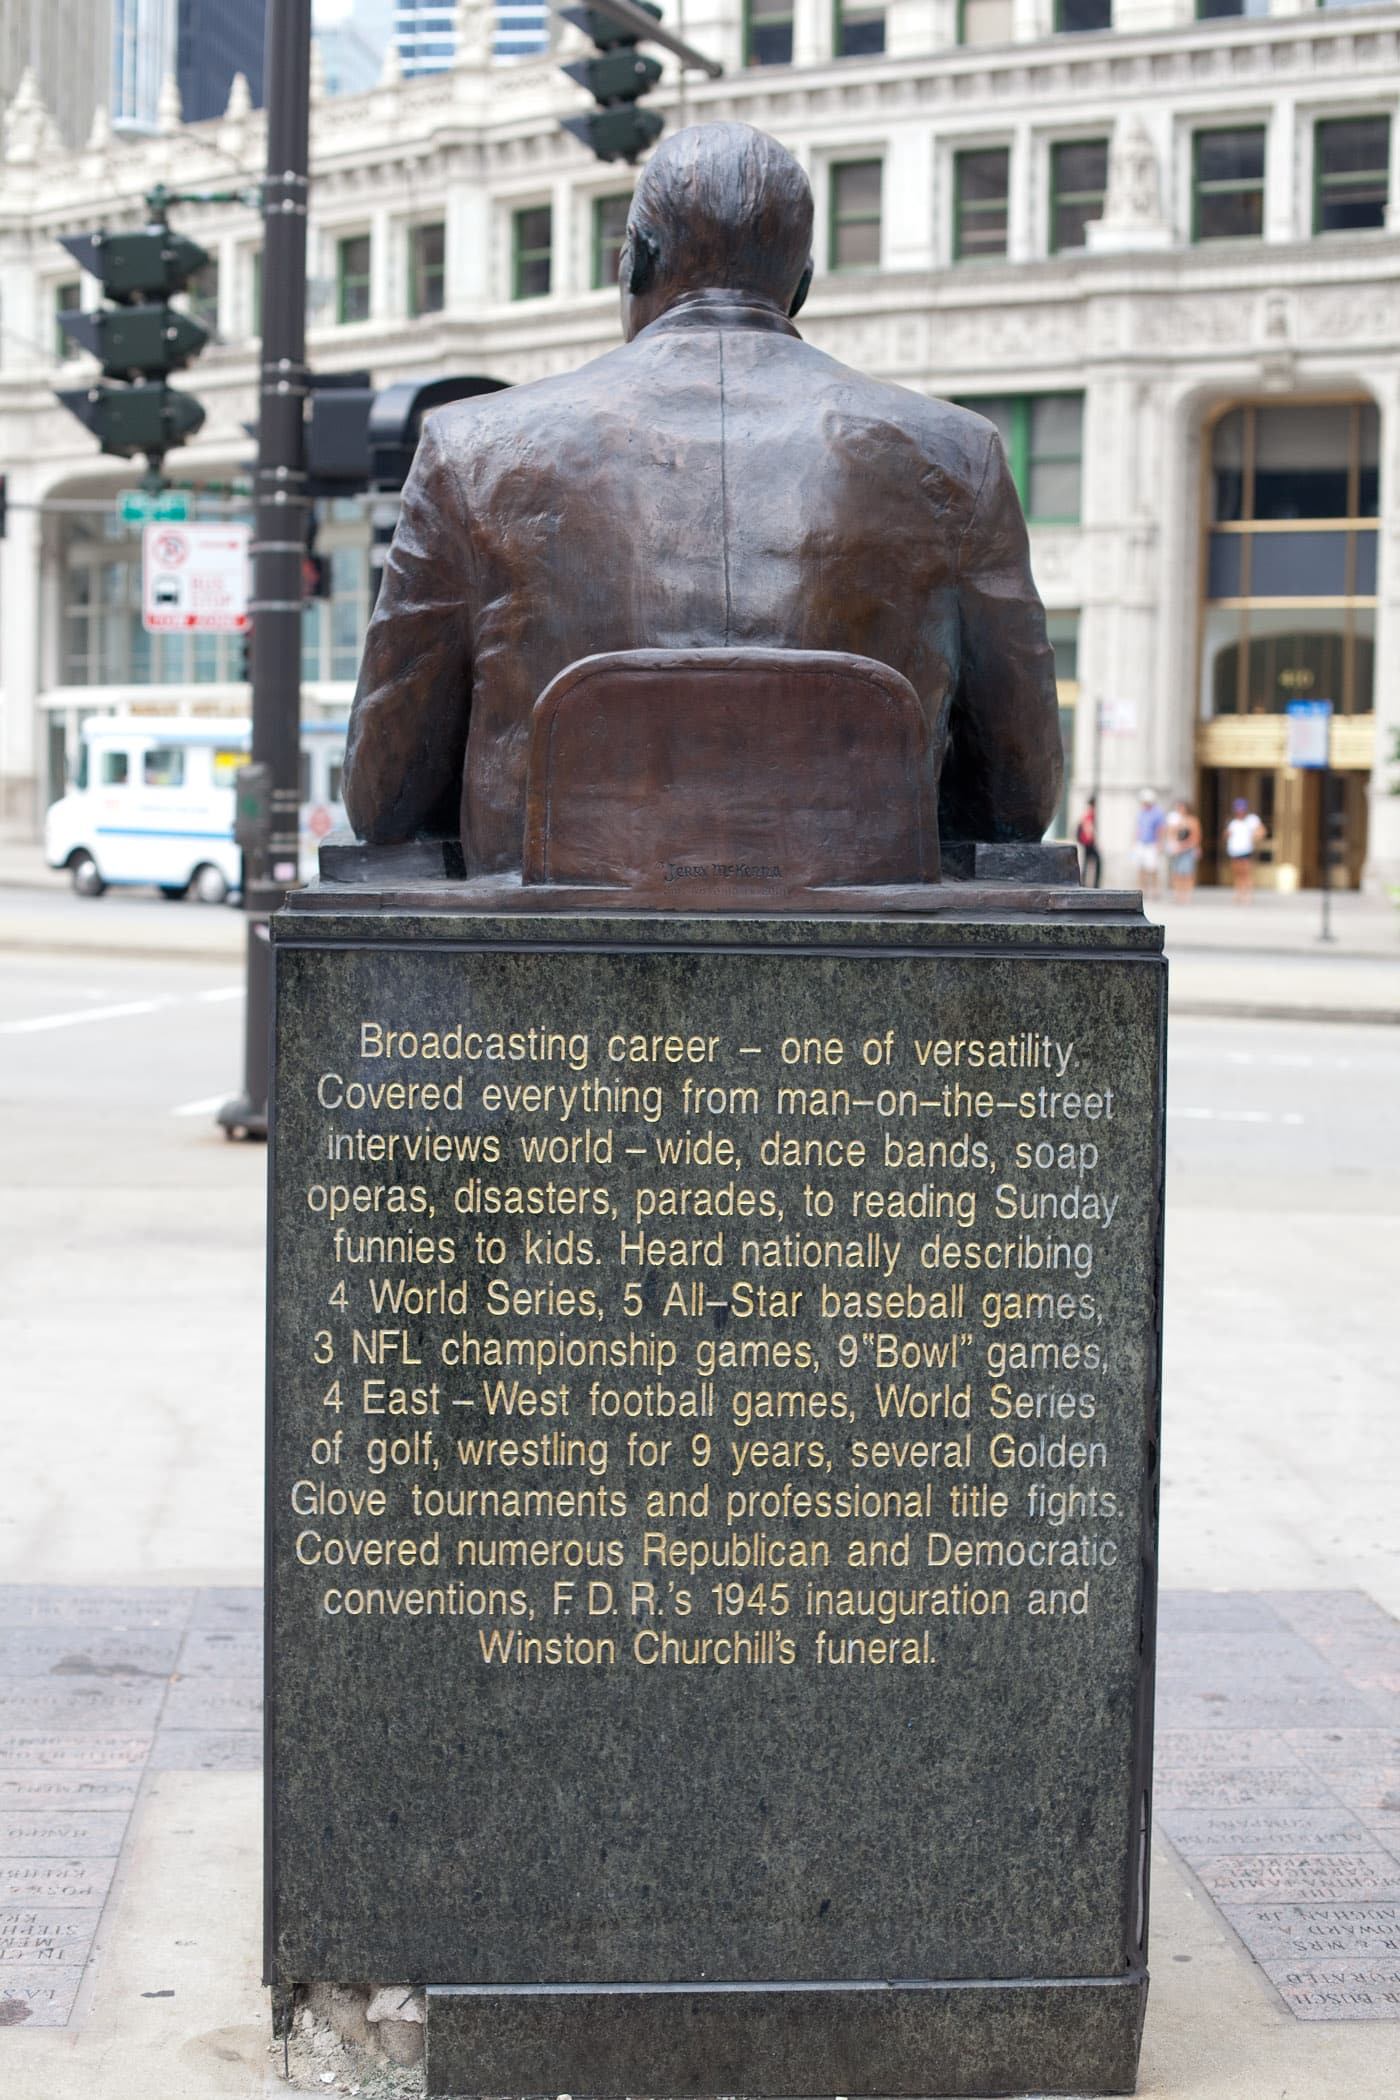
(214,40)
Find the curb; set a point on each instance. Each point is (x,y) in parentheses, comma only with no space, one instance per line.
(1246,1010)
(105,951)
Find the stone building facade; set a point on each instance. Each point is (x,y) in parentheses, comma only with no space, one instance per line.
(1160,251)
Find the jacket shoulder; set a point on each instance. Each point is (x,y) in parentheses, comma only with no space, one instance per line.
(957,438)
(461,425)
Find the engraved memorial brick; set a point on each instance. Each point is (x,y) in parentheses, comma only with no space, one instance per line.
(81,1883)
(59,1793)
(31,1937)
(55,1834)
(38,1997)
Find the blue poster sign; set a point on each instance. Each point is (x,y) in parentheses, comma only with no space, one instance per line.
(1309,734)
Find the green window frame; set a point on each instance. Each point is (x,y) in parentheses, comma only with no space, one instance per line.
(427,268)
(1352,195)
(981,211)
(204,296)
(352,278)
(532,252)
(609,230)
(1228,204)
(67,299)
(856,203)
(1043,438)
(858,28)
(768,32)
(1078,186)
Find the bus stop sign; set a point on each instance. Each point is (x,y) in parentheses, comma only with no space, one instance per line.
(194,579)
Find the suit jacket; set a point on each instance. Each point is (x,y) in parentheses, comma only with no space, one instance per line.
(716,481)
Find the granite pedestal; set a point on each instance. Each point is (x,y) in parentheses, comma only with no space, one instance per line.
(712,1485)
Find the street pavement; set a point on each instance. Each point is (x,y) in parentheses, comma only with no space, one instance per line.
(131,1334)
(1261,961)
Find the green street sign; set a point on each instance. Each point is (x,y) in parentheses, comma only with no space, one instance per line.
(142,507)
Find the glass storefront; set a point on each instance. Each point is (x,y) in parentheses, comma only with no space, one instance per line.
(1288,612)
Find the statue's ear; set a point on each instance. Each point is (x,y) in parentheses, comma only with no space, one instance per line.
(643,259)
(804,285)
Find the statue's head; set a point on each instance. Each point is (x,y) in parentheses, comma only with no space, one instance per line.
(718,207)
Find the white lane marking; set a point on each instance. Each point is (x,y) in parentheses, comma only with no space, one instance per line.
(39,1024)
(1233,1115)
(205,1107)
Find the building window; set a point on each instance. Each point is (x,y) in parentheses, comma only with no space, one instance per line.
(1219,10)
(1291,557)
(1078,184)
(1352,175)
(67,299)
(1062,633)
(985,22)
(860,30)
(204,297)
(333,627)
(1076,17)
(532,248)
(1043,438)
(767,32)
(609,232)
(427,269)
(1228,185)
(352,278)
(855,215)
(981,194)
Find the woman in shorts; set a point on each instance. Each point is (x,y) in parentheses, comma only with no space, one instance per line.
(1183,843)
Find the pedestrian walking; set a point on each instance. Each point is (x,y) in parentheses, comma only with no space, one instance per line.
(1181,837)
(1147,841)
(1087,840)
(1244,835)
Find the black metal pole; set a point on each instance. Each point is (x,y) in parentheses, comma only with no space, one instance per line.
(279,531)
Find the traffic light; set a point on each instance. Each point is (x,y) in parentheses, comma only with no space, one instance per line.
(138,340)
(394,428)
(616,79)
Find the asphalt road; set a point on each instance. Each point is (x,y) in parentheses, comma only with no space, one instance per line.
(131,1289)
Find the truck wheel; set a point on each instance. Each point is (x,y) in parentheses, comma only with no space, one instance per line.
(87,876)
(209,884)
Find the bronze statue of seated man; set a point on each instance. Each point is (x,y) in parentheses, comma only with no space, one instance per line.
(714,484)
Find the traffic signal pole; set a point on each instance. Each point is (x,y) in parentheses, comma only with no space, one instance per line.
(281,509)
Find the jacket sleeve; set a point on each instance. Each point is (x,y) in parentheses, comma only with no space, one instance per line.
(408,727)
(1003,764)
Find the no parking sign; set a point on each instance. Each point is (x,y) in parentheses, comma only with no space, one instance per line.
(194,578)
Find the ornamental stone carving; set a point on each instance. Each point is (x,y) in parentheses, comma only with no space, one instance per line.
(1132,217)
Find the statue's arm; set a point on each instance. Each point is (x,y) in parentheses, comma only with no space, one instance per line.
(1002,769)
(408,727)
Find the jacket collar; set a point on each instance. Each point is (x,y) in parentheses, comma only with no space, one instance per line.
(717,309)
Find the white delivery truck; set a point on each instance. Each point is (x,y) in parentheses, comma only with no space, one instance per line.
(151,803)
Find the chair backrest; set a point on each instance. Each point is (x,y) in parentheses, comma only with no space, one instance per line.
(682,773)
